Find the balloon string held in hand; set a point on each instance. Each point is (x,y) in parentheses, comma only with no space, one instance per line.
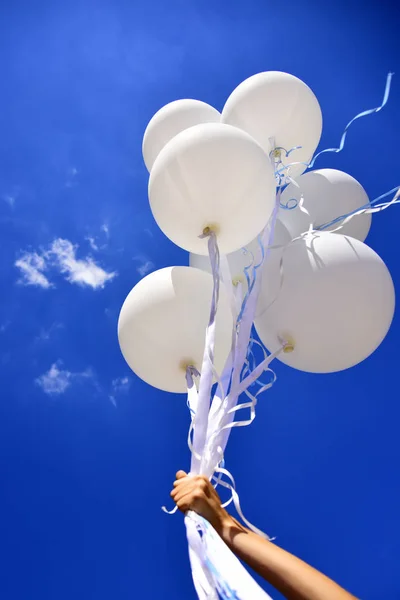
(207,370)
(217,537)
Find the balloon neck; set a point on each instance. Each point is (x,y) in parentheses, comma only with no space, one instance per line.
(187,364)
(288,348)
(276,152)
(288,344)
(237,280)
(211,228)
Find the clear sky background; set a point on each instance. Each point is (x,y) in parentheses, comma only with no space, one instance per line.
(88,452)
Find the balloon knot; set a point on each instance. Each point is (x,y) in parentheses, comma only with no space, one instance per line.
(237,280)
(288,348)
(211,229)
(187,364)
(288,344)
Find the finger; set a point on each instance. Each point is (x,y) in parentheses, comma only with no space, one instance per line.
(183,506)
(184,503)
(180,474)
(193,501)
(205,485)
(181,488)
(182,481)
(179,493)
(188,502)
(185,483)
(200,485)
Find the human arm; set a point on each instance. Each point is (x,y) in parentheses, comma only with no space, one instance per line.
(294,578)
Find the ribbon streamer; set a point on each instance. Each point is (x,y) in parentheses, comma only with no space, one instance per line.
(370,208)
(359,116)
(211,560)
(207,370)
(282,171)
(230,580)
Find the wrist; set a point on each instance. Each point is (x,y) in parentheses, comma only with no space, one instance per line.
(227,528)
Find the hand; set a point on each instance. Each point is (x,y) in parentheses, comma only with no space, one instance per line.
(196,493)
(291,576)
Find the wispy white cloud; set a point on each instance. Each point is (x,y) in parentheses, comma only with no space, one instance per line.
(121,385)
(57,380)
(79,271)
(146,265)
(145,268)
(46,334)
(62,257)
(11,195)
(32,266)
(92,243)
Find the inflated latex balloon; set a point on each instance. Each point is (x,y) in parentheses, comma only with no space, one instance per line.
(249,255)
(335,305)
(279,111)
(170,120)
(327,194)
(162,323)
(212,177)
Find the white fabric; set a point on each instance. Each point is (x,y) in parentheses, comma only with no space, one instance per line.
(241,585)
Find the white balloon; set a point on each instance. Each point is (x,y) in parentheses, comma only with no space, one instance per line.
(162,323)
(170,120)
(279,106)
(335,305)
(327,194)
(216,176)
(242,258)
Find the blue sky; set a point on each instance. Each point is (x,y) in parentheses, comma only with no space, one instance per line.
(88,452)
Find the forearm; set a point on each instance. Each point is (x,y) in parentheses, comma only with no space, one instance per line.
(289,575)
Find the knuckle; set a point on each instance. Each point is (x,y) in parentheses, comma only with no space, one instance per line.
(197,495)
(201,482)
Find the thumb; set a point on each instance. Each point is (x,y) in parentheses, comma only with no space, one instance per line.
(181,474)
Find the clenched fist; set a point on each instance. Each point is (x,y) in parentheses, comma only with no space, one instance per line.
(196,493)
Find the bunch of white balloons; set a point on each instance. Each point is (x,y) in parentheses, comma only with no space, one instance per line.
(329,294)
